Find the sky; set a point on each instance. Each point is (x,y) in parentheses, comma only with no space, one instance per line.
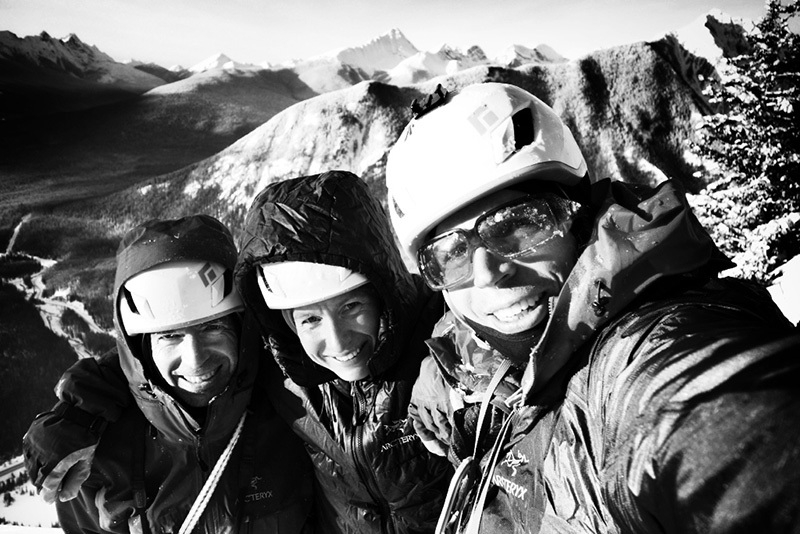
(185,32)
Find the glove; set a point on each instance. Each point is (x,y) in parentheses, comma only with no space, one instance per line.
(433,429)
(431,408)
(65,480)
(59,447)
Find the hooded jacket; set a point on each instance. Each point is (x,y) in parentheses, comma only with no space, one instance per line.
(152,462)
(373,472)
(658,399)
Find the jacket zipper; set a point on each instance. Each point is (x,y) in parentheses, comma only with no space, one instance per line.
(362,462)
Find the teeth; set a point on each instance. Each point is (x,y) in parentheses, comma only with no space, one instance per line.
(516,309)
(346,357)
(198,379)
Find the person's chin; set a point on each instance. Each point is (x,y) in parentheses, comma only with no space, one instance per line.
(199,390)
(352,374)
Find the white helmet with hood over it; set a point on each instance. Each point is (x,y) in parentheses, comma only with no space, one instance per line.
(292,284)
(461,146)
(176,295)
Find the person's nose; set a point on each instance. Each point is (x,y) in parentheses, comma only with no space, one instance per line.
(488,269)
(193,353)
(336,339)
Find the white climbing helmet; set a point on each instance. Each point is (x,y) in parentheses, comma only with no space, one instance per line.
(291,284)
(462,146)
(177,295)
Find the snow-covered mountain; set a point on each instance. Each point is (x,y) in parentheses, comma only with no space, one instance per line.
(170,75)
(220,61)
(73,57)
(380,54)
(392,58)
(516,55)
(40,75)
(423,66)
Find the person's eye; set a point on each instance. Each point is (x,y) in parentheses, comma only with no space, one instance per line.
(215,328)
(352,306)
(308,321)
(457,252)
(168,336)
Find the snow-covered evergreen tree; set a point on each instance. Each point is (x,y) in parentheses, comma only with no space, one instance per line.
(752,204)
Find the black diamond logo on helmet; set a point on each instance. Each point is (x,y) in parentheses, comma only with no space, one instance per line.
(207,274)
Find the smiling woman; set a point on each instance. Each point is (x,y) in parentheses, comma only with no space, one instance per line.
(340,333)
(346,322)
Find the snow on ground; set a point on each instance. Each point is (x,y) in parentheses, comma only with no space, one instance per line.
(785,290)
(29,510)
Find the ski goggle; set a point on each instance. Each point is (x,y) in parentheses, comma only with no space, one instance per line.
(511,231)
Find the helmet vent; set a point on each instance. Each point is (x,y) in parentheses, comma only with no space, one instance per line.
(523,128)
(228,277)
(129,299)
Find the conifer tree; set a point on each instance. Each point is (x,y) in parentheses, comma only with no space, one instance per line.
(752,203)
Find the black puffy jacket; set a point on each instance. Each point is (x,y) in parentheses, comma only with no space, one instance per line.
(374,473)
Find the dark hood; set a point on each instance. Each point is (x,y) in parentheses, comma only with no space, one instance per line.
(641,235)
(329,218)
(197,237)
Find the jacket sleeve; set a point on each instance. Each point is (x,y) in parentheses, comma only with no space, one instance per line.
(701,427)
(80,515)
(91,393)
(96,386)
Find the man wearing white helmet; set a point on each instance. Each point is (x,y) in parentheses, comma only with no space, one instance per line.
(593,374)
(199,449)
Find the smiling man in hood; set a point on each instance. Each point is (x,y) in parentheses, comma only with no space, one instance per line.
(196,408)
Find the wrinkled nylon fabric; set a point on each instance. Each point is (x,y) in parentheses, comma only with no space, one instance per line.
(374,473)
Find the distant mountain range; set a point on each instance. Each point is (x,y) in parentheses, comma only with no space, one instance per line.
(34,68)
(69,114)
(75,124)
